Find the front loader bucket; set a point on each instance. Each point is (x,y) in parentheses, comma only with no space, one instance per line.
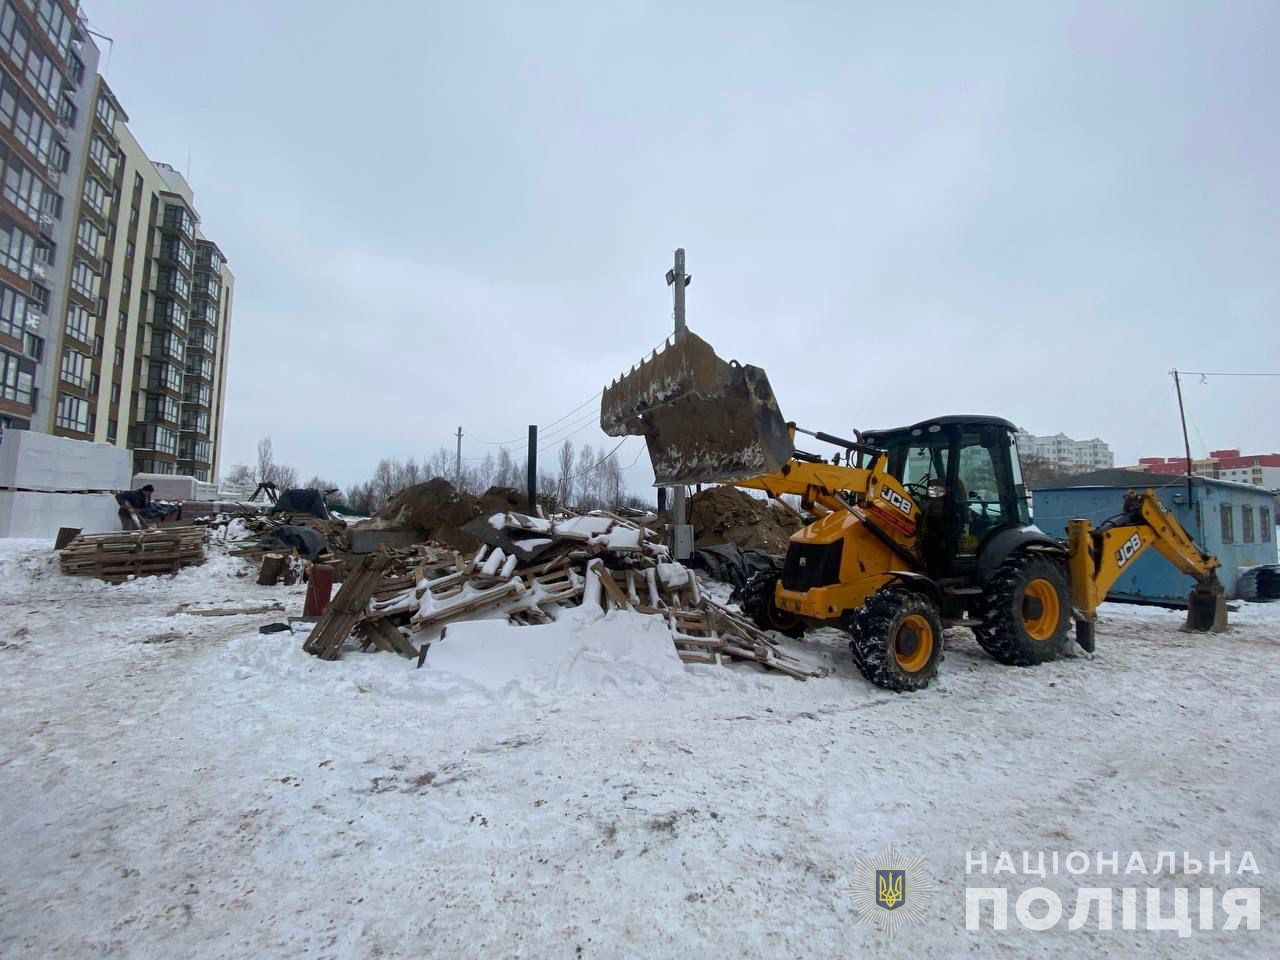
(1206,608)
(704,420)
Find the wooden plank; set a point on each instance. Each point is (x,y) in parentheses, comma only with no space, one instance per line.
(346,608)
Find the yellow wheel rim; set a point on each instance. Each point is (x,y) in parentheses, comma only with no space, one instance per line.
(913,643)
(1041,609)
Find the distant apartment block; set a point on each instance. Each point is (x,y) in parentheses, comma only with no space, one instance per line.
(1075,456)
(115,309)
(1258,470)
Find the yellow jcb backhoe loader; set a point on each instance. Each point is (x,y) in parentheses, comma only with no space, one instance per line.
(917,528)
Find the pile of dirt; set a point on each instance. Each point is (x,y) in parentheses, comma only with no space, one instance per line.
(435,510)
(730,515)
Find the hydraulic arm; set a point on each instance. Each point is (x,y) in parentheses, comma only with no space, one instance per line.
(1098,557)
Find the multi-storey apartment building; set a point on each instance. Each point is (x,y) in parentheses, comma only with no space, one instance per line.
(46,79)
(115,307)
(1076,456)
(1255,469)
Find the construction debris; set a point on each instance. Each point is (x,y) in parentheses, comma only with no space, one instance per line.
(729,515)
(401,600)
(116,557)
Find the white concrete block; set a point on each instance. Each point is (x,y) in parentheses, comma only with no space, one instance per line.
(39,515)
(168,486)
(39,461)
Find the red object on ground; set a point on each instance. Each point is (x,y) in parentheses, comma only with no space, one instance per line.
(318,590)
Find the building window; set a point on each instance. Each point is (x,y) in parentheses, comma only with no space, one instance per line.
(153,466)
(1228,524)
(15,35)
(17,248)
(74,367)
(43,75)
(133,216)
(164,376)
(57,25)
(115,393)
(13,312)
(117,359)
(83,280)
(191,449)
(88,235)
(177,218)
(113,430)
(197,393)
(1264,521)
(15,381)
(1246,524)
(95,195)
(200,367)
(106,112)
(172,281)
(161,407)
(23,188)
(78,322)
(73,413)
(129,250)
(160,439)
(194,421)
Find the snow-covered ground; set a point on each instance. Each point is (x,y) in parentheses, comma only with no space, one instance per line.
(183,786)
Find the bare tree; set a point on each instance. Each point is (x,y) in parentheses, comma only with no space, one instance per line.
(564,489)
(505,473)
(360,498)
(586,481)
(241,474)
(485,470)
(266,462)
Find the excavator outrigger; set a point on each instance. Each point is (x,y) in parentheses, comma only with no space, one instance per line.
(916,528)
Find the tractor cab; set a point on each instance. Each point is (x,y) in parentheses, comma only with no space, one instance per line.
(963,472)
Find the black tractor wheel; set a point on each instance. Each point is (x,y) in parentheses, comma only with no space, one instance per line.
(756,600)
(1026,612)
(896,639)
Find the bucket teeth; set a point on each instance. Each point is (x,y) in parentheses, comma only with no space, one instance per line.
(704,420)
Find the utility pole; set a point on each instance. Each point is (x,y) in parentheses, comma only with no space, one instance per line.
(457,464)
(681,532)
(1186,445)
(532,479)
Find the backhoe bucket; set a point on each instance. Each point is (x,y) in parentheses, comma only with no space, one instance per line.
(1206,608)
(704,420)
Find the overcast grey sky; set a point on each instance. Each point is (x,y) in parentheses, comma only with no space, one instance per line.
(443,214)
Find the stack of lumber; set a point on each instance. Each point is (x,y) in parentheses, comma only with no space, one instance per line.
(116,557)
(400,601)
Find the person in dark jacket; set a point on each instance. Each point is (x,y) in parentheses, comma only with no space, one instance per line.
(136,505)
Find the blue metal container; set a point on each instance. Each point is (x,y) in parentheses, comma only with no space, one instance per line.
(1233,521)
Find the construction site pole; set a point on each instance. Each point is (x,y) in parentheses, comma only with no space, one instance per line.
(1186,446)
(533,470)
(457,464)
(681,532)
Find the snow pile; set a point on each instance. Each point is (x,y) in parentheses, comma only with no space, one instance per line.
(580,652)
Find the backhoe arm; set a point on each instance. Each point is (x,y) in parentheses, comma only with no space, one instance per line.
(1098,558)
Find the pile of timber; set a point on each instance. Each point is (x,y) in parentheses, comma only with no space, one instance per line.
(400,601)
(116,557)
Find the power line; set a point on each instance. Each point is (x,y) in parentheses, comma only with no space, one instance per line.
(1201,373)
(600,461)
(579,427)
(596,396)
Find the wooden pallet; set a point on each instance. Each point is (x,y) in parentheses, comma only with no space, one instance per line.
(115,557)
(347,608)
